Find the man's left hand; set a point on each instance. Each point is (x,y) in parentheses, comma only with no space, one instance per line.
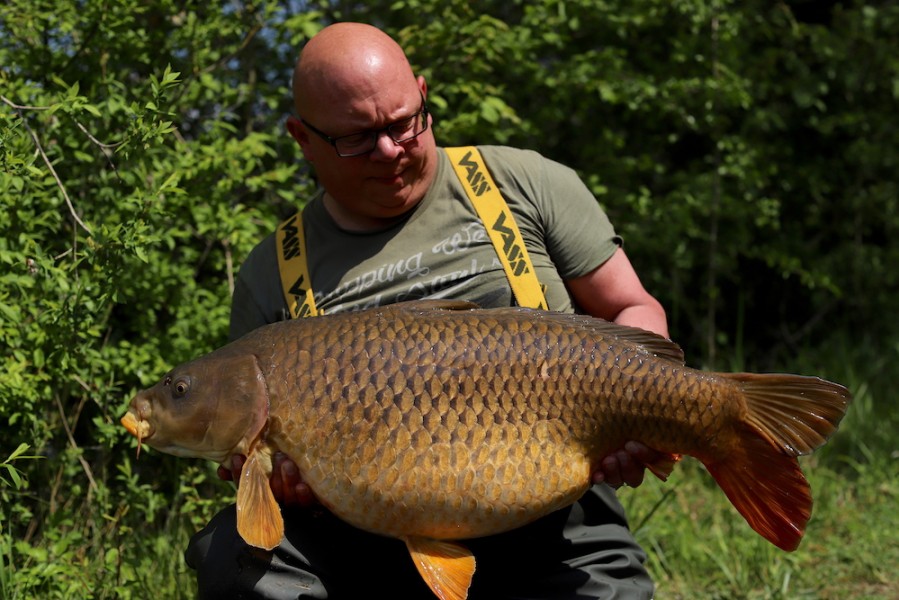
(626,466)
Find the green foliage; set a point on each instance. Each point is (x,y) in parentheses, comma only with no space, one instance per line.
(14,477)
(127,184)
(747,151)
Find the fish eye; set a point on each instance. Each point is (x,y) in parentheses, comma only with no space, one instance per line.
(180,388)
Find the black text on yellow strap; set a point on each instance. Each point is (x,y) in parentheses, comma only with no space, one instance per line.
(476,179)
(510,246)
(295,281)
(290,244)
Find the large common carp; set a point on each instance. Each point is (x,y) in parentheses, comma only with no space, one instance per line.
(437,421)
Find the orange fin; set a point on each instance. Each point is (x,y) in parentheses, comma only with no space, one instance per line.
(795,413)
(787,416)
(768,488)
(662,467)
(259,520)
(446,567)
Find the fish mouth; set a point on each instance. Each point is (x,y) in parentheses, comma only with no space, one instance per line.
(139,428)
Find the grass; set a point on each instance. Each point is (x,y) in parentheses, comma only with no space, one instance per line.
(125,539)
(699,547)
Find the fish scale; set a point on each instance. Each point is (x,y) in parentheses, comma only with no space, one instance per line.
(436,421)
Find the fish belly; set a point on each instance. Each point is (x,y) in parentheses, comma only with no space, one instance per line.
(442,484)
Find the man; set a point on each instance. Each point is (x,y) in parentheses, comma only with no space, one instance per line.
(392,223)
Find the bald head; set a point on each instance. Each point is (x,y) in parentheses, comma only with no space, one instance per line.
(348,60)
(354,79)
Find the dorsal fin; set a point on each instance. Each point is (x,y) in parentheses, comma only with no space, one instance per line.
(428,304)
(647,341)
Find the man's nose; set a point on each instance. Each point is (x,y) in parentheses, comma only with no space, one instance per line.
(386,148)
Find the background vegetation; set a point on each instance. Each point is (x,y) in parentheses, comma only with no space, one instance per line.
(747,150)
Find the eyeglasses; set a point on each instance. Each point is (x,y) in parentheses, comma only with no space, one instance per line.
(363,142)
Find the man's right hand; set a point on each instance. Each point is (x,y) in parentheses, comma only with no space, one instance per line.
(288,487)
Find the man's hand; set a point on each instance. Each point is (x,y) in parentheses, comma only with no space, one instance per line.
(287,485)
(626,466)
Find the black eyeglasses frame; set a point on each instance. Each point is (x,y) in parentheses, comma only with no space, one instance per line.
(374,134)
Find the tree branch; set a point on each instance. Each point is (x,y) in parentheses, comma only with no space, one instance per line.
(40,149)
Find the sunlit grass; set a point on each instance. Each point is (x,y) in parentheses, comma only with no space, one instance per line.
(699,546)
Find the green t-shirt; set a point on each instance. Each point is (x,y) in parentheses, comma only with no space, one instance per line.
(441,250)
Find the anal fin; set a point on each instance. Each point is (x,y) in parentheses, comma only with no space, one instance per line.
(663,466)
(447,567)
(259,520)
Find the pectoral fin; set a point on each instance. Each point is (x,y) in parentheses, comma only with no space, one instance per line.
(259,520)
(446,567)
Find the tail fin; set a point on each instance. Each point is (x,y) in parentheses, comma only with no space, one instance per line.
(796,413)
(788,416)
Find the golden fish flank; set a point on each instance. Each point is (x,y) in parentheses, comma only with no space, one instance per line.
(437,421)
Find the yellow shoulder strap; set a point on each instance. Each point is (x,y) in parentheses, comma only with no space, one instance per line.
(500,224)
(290,243)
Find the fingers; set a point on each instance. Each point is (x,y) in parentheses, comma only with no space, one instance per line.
(616,467)
(284,478)
(224,474)
(642,453)
(287,485)
(304,495)
(277,479)
(632,469)
(230,470)
(626,466)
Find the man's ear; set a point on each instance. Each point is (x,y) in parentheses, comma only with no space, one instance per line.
(301,135)
(423,88)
